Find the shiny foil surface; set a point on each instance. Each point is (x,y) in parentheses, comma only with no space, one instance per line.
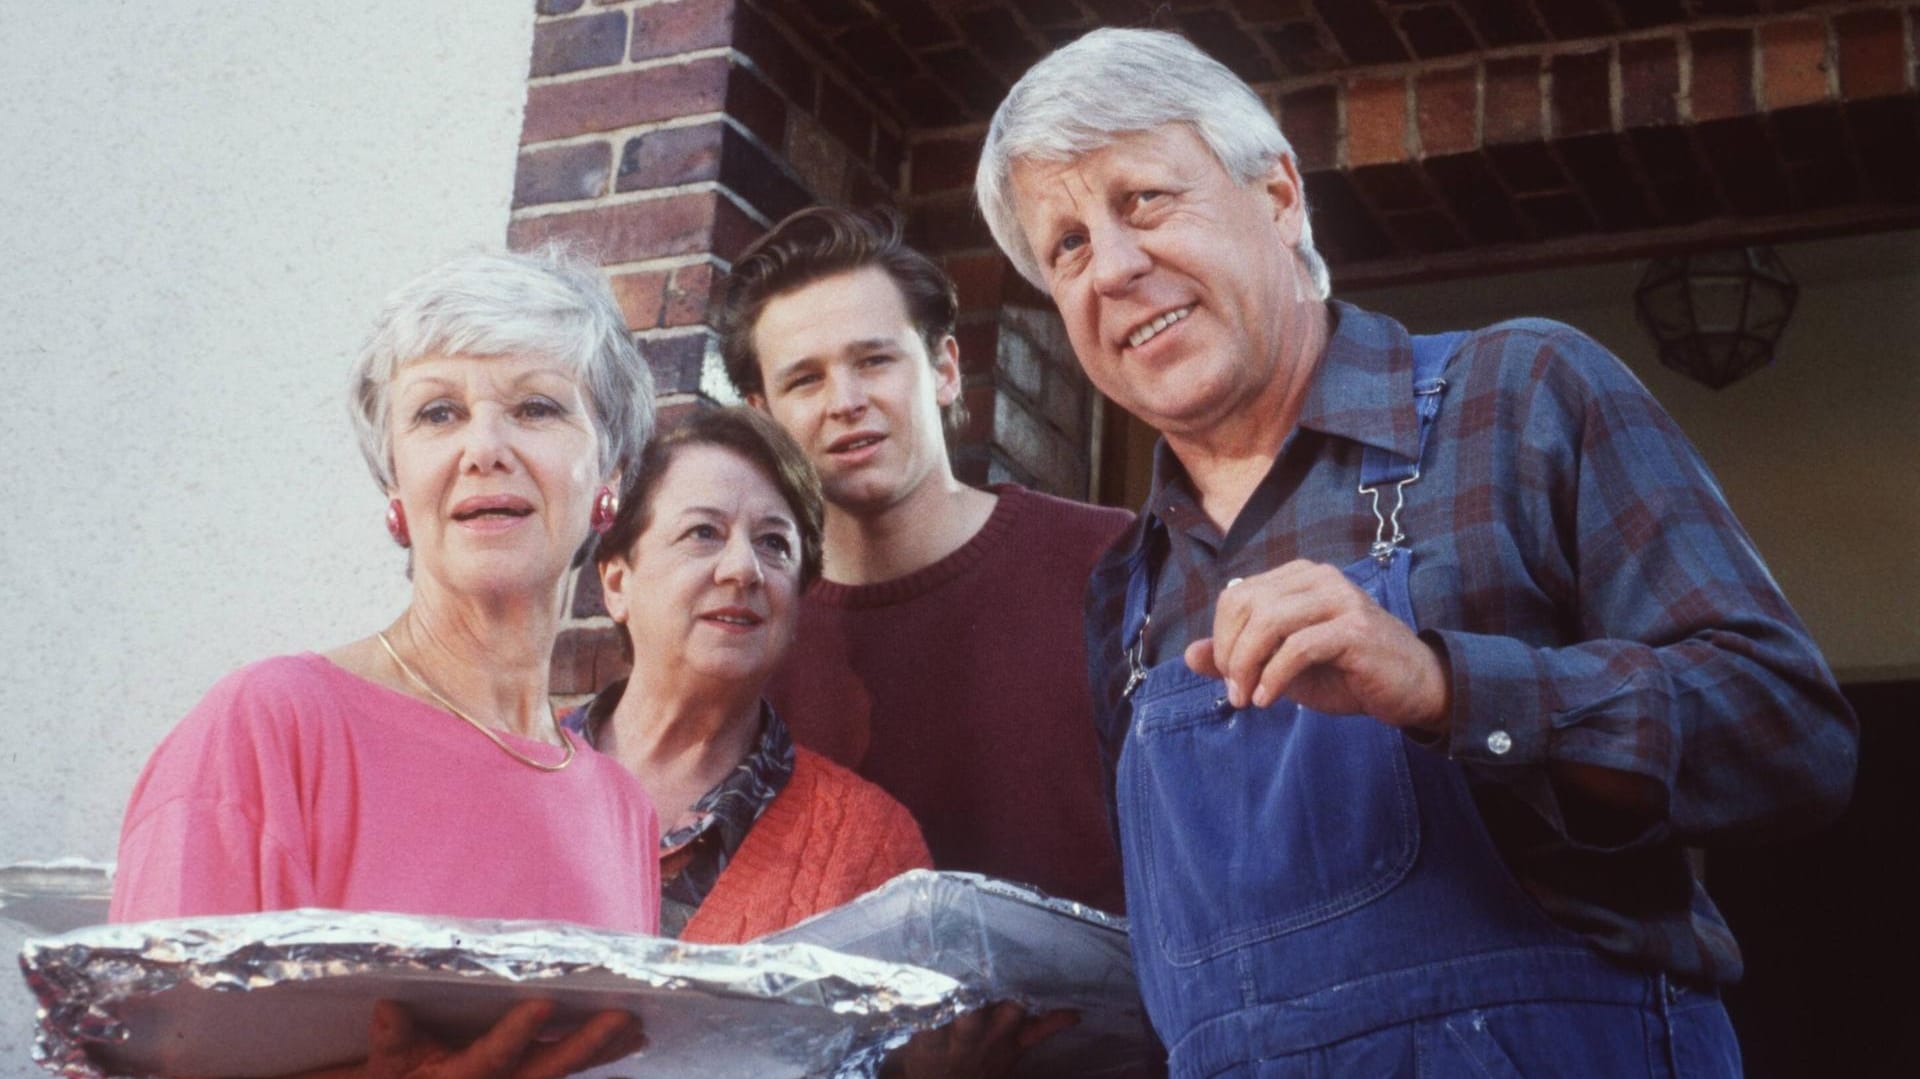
(38,899)
(1005,941)
(278,993)
(284,992)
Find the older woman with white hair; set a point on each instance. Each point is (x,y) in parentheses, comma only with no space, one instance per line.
(421,769)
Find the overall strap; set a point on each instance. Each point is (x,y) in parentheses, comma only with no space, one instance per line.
(1379,467)
(1142,567)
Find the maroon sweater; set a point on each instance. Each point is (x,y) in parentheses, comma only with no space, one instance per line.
(961,690)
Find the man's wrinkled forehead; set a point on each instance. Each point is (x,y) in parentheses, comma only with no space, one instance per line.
(1176,143)
(1172,150)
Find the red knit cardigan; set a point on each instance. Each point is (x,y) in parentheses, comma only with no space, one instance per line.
(827,837)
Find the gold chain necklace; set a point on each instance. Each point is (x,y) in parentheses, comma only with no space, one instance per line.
(476,724)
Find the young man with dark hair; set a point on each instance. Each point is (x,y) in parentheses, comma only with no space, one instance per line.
(941,655)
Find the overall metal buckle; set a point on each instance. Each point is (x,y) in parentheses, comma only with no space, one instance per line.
(1136,668)
(1384,544)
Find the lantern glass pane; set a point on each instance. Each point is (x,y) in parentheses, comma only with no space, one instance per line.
(1721,352)
(1719,263)
(1716,314)
(1718,303)
(1768,306)
(1665,311)
(1766,262)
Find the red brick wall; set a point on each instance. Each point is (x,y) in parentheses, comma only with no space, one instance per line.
(1662,128)
(1031,411)
(665,136)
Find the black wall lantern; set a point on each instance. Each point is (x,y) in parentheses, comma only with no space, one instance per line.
(1716,315)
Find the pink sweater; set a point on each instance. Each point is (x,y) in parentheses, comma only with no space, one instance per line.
(296,784)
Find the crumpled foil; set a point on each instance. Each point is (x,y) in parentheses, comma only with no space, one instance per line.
(269,994)
(1005,941)
(290,991)
(36,899)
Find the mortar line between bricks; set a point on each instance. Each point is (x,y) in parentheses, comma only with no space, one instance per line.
(627,67)
(618,198)
(690,120)
(741,204)
(918,135)
(664,262)
(1541,49)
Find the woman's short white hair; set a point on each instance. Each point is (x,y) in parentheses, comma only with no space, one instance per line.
(1114,82)
(548,303)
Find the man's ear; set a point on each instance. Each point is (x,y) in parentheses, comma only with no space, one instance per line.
(613,579)
(946,371)
(1283,188)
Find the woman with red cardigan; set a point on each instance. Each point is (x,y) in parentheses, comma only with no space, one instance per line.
(717,534)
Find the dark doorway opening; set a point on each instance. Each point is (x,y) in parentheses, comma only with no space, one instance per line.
(1829,922)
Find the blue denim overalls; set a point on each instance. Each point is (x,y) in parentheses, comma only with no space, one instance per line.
(1314,895)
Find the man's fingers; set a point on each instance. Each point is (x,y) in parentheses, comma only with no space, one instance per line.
(1231,609)
(508,1050)
(930,1044)
(390,1033)
(1200,659)
(1313,645)
(970,1025)
(1257,644)
(1235,609)
(1041,1027)
(1359,662)
(1254,620)
(631,1039)
(1003,1019)
(982,1044)
(983,1026)
(500,1049)
(1288,605)
(594,1043)
(397,1048)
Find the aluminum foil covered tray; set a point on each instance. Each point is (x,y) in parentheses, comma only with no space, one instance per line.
(1005,942)
(272,994)
(38,899)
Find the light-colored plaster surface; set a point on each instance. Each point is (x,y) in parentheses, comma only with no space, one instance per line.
(201,204)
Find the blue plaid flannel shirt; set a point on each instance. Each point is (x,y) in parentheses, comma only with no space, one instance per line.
(1591,594)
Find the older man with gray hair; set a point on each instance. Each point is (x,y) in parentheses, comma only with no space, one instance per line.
(1429,657)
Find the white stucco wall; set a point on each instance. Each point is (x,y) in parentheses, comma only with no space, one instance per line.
(1816,453)
(201,204)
